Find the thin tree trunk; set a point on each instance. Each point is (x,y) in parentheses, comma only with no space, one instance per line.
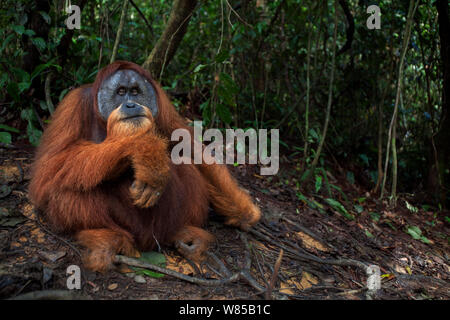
(380,126)
(308,88)
(380,139)
(167,44)
(119,31)
(394,165)
(407,34)
(330,99)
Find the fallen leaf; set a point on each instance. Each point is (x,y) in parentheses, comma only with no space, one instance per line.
(28,211)
(52,256)
(310,242)
(286,288)
(113,286)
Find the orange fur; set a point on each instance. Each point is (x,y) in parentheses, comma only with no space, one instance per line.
(114,187)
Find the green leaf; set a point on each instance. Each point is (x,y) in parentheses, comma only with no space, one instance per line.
(340,208)
(155,258)
(411,207)
(414,232)
(305,175)
(19,29)
(39,43)
(229,83)
(364,159)
(29,32)
(8,128)
(199,67)
(34,134)
(13,91)
(375,216)
(39,69)
(45,16)
(358,208)
(350,177)
(313,134)
(222,56)
(5,137)
(318,183)
(27,114)
(24,86)
(301,197)
(43,105)
(368,234)
(5,42)
(224,113)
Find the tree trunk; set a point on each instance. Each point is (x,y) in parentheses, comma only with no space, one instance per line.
(330,100)
(119,31)
(167,44)
(443,134)
(406,36)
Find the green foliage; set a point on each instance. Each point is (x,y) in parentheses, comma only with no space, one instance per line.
(156,258)
(243,68)
(336,205)
(416,233)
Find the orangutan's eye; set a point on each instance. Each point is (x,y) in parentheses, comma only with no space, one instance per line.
(134,91)
(121,91)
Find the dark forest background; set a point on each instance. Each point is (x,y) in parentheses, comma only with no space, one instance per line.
(371,106)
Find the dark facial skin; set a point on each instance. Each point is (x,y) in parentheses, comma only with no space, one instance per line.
(129,91)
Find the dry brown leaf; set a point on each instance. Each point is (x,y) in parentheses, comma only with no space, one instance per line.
(286,288)
(28,211)
(15,245)
(178,264)
(37,234)
(307,281)
(113,286)
(310,242)
(9,173)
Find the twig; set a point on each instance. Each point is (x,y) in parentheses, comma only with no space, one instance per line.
(238,16)
(310,257)
(242,275)
(246,273)
(149,26)
(54,235)
(274,277)
(21,173)
(307,231)
(119,31)
(222,267)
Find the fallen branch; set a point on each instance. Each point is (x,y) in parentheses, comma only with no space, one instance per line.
(242,275)
(274,277)
(310,257)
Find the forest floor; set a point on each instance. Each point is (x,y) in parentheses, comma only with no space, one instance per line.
(325,247)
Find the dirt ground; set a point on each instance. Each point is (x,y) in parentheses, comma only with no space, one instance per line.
(324,254)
